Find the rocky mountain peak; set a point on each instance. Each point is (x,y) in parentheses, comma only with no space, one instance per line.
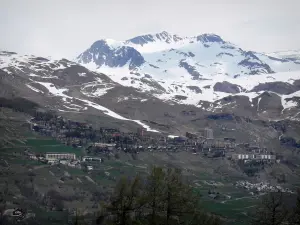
(163,36)
(199,68)
(99,44)
(109,53)
(204,38)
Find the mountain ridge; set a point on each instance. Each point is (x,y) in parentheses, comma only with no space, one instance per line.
(121,83)
(174,63)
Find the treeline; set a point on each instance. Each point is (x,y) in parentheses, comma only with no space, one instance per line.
(277,208)
(24,105)
(289,142)
(19,105)
(164,197)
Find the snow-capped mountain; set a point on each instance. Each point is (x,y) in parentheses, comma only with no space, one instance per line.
(59,85)
(190,70)
(207,54)
(157,81)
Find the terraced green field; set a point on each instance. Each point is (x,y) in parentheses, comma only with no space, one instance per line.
(235,209)
(106,174)
(50,145)
(42,145)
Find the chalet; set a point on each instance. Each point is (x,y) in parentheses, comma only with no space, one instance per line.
(89,168)
(98,144)
(215,153)
(63,131)
(14,213)
(258,150)
(108,130)
(213,196)
(179,139)
(64,161)
(229,139)
(146,138)
(162,140)
(32,156)
(75,164)
(116,134)
(253,148)
(90,158)
(141,131)
(191,135)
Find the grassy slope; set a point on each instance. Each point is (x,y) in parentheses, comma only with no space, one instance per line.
(198,169)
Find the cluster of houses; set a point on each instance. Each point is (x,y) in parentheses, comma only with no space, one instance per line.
(107,140)
(261,187)
(221,147)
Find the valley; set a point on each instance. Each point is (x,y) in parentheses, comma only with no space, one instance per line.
(71,129)
(82,186)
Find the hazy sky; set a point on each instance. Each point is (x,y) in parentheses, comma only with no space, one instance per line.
(64,28)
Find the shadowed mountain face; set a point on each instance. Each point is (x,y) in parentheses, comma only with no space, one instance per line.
(227,87)
(102,54)
(119,53)
(277,87)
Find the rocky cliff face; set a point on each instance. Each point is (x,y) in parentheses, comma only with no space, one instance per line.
(101,54)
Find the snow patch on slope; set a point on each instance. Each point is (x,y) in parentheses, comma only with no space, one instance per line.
(175,81)
(258,101)
(53,90)
(115,115)
(60,93)
(82,74)
(289,104)
(34,89)
(96,93)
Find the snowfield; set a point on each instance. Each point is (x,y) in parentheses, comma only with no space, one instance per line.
(53,90)
(175,65)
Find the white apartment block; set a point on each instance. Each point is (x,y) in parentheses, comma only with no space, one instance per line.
(53,156)
(253,157)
